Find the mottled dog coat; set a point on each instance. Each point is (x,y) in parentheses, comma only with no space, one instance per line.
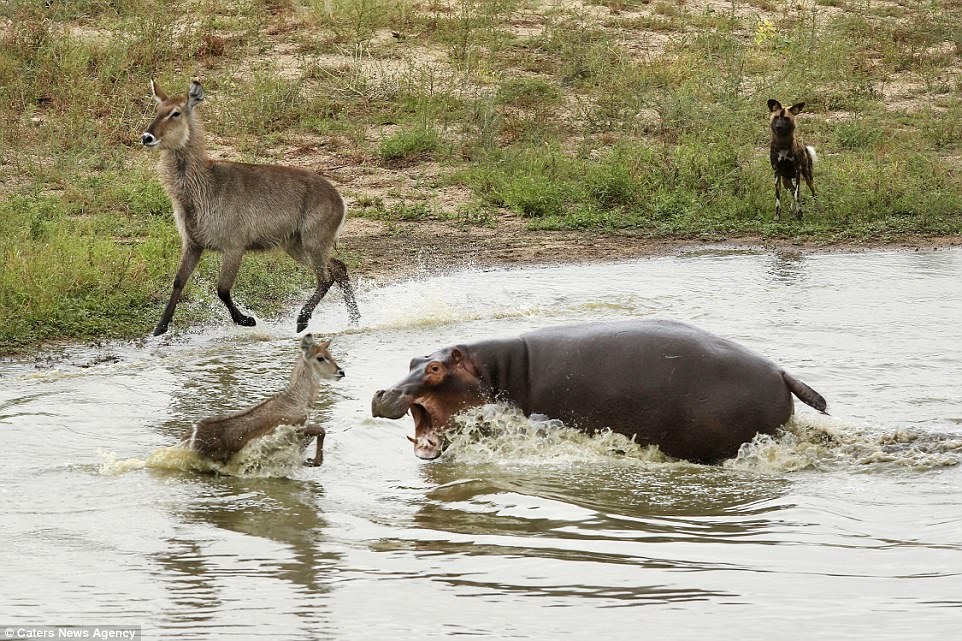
(790,160)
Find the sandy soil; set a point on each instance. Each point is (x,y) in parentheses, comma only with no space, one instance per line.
(389,252)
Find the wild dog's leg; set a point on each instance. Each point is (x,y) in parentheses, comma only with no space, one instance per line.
(796,205)
(189,257)
(778,197)
(310,430)
(338,272)
(810,181)
(228,274)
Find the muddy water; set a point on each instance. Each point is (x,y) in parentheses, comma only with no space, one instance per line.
(844,527)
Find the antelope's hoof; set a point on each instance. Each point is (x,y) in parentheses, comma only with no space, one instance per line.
(160,329)
(245,321)
(301,324)
(313,462)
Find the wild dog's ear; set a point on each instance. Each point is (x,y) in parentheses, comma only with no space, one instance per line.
(195,96)
(155,91)
(774,105)
(796,108)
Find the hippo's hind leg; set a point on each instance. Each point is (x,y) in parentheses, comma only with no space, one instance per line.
(309,431)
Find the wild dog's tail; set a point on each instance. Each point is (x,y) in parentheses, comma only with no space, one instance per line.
(805,393)
(811,153)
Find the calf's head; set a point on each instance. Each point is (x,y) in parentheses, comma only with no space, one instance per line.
(318,360)
(782,119)
(436,388)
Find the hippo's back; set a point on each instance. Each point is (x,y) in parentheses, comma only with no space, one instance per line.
(697,395)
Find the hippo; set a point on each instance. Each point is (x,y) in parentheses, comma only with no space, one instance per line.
(695,395)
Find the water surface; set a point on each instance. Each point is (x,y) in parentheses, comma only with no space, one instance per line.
(844,527)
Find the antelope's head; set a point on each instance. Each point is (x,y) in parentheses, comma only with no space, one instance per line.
(172,126)
(318,359)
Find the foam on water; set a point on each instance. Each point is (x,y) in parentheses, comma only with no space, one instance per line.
(278,454)
(813,443)
(501,434)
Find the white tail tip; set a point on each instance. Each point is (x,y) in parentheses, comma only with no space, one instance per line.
(811,153)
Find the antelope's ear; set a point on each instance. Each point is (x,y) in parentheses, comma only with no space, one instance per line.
(308,342)
(196,95)
(156,92)
(774,105)
(797,108)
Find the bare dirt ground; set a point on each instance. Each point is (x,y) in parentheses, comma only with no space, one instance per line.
(390,252)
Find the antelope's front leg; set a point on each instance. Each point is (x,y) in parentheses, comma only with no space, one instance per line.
(312,429)
(190,256)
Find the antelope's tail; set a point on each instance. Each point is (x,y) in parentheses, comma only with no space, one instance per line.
(805,393)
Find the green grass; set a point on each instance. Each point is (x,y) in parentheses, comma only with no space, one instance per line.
(627,115)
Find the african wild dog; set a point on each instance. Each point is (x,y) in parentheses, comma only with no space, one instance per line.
(790,160)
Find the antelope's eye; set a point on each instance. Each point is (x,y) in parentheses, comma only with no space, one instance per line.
(175,114)
(321,359)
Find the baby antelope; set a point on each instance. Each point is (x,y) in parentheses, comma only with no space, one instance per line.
(790,160)
(221,437)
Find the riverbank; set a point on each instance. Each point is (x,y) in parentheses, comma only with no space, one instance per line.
(390,252)
(462,132)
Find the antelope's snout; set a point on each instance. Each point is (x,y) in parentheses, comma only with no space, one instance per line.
(148,139)
(340,374)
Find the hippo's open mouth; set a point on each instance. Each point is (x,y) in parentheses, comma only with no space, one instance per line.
(428,444)
(422,419)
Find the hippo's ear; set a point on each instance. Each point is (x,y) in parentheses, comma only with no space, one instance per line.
(460,359)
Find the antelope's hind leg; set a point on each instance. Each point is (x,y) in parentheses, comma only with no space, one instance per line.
(338,271)
(324,282)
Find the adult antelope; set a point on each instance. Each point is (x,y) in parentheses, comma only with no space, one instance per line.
(232,207)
